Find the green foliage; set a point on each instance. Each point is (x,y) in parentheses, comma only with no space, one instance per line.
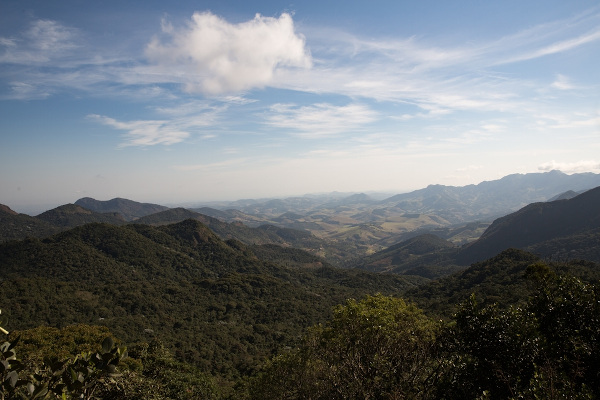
(380,347)
(490,350)
(547,348)
(497,280)
(83,376)
(213,304)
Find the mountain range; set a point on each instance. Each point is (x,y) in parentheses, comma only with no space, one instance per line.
(225,296)
(339,227)
(564,229)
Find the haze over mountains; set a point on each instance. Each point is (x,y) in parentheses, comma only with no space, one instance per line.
(343,229)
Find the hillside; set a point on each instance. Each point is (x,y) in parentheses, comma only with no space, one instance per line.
(540,223)
(72,215)
(497,280)
(425,255)
(129,209)
(491,198)
(15,226)
(214,303)
(560,230)
(260,235)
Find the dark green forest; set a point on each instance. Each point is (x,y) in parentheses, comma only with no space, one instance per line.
(174,311)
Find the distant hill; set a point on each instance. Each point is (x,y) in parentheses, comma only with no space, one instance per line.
(15,226)
(129,209)
(365,225)
(569,194)
(413,256)
(539,224)
(265,234)
(72,215)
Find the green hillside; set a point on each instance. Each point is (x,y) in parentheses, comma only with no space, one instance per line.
(213,303)
(72,215)
(538,223)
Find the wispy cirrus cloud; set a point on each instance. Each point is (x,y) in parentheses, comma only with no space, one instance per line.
(419,71)
(564,120)
(320,120)
(180,123)
(209,55)
(43,41)
(145,133)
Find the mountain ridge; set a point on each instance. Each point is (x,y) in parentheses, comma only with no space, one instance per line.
(129,209)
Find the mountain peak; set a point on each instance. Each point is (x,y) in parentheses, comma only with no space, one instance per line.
(129,209)
(7,210)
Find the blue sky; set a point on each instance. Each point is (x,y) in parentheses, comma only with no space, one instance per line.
(181,102)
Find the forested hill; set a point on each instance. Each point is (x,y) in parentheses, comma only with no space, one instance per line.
(213,302)
(129,209)
(70,215)
(14,226)
(573,222)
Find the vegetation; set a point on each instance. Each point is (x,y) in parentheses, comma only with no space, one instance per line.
(213,304)
(385,348)
(380,347)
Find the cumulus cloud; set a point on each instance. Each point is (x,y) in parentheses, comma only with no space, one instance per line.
(215,57)
(571,167)
(320,119)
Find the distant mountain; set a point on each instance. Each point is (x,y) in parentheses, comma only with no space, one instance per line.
(129,209)
(15,226)
(569,194)
(72,215)
(365,225)
(538,223)
(359,198)
(491,198)
(560,230)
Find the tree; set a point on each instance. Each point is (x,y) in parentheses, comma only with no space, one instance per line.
(548,348)
(378,348)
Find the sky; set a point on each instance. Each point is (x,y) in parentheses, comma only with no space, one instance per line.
(196,101)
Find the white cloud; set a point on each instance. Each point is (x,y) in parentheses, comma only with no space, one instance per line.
(320,119)
(43,41)
(145,133)
(449,78)
(571,167)
(559,47)
(180,122)
(218,57)
(562,83)
(27,91)
(575,120)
